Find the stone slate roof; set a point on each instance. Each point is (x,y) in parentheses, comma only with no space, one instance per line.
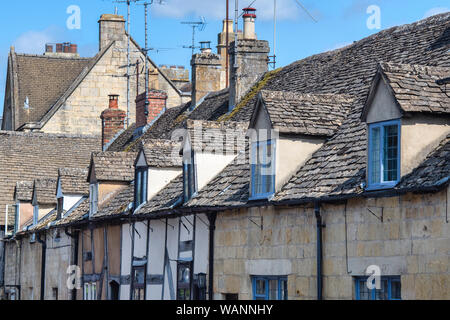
(45,191)
(162,153)
(113,166)
(24,191)
(30,156)
(212,108)
(217,137)
(350,70)
(43,223)
(309,114)
(230,188)
(164,200)
(74,181)
(118,205)
(43,80)
(415,87)
(77,215)
(338,167)
(434,171)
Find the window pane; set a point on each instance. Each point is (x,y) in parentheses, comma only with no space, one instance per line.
(284,291)
(396,290)
(364,292)
(382,294)
(390,152)
(375,156)
(260,287)
(273,289)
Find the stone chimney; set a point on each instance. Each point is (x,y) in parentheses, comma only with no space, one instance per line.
(111,27)
(250,62)
(113,120)
(207,73)
(156,106)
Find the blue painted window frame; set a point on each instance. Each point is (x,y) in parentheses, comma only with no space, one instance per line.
(389,279)
(383,184)
(266,279)
(140,186)
(255,146)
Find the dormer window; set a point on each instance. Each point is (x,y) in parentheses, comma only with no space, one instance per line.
(93,200)
(189,177)
(384,154)
(263,169)
(140,186)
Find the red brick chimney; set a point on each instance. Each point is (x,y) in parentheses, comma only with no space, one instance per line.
(113,120)
(157,100)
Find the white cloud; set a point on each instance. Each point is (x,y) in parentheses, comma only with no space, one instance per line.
(33,42)
(434,11)
(215,9)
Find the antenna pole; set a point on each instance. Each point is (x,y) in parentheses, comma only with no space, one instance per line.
(128,64)
(227,40)
(146,58)
(236,37)
(274,33)
(193,39)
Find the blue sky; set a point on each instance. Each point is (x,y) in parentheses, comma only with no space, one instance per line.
(30,24)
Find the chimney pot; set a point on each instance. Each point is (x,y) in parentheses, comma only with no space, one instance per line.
(249,23)
(113,101)
(59,47)
(48,48)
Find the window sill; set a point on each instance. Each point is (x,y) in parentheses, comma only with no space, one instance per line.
(267,197)
(384,186)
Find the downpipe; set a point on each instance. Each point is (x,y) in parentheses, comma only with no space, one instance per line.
(75,237)
(212,228)
(44,254)
(320,227)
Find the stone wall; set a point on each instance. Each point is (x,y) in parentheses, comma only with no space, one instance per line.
(81,112)
(411,242)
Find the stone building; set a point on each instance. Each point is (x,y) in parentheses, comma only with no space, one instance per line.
(324,171)
(59,92)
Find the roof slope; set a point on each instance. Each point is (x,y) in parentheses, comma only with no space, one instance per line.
(30,156)
(350,70)
(434,171)
(338,167)
(43,80)
(45,191)
(162,153)
(309,114)
(118,204)
(24,191)
(114,166)
(212,108)
(74,181)
(415,87)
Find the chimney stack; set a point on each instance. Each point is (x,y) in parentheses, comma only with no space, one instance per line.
(62,50)
(249,23)
(113,120)
(208,75)
(251,60)
(156,106)
(111,28)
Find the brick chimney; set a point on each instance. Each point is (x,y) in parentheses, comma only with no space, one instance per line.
(113,120)
(207,73)
(250,62)
(157,100)
(111,27)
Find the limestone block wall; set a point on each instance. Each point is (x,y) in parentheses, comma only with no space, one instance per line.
(412,242)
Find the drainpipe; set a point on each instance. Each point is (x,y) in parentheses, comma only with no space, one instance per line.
(319,250)
(75,237)
(44,253)
(212,228)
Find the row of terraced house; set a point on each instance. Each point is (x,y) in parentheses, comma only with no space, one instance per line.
(296,183)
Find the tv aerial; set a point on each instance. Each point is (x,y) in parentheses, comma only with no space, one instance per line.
(195,25)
